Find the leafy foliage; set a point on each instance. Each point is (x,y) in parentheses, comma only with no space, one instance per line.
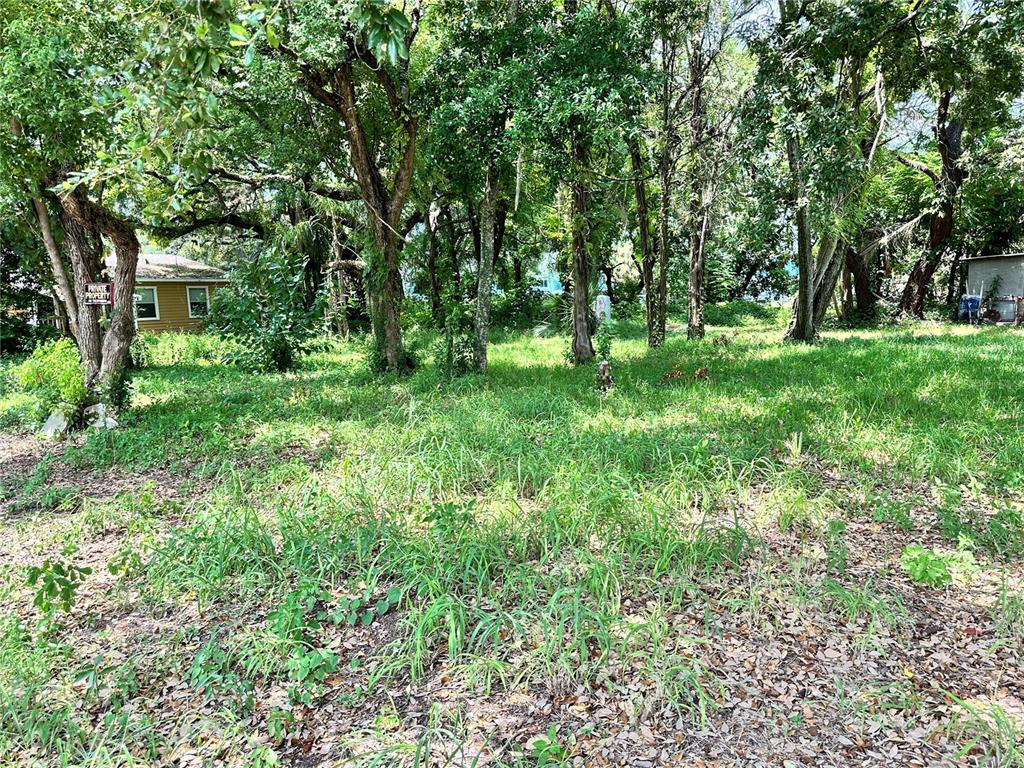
(265,311)
(55,585)
(926,566)
(53,375)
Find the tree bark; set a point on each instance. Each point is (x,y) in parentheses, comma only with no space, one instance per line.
(89,335)
(485,272)
(695,285)
(582,348)
(802,328)
(644,230)
(699,210)
(949,139)
(433,277)
(661,285)
(93,219)
(864,296)
(829,264)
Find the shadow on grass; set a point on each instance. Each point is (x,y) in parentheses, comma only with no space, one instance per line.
(932,405)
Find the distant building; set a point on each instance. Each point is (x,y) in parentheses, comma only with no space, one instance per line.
(546,278)
(172,292)
(1000,278)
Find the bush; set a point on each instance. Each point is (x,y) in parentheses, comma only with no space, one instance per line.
(263,310)
(53,374)
(603,338)
(519,307)
(454,352)
(155,349)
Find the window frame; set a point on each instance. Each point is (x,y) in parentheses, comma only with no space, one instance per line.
(188,301)
(156,303)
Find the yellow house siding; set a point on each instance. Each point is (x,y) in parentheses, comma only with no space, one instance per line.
(172,305)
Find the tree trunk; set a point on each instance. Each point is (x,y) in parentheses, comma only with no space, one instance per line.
(699,205)
(63,287)
(949,140)
(582,348)
(830,262)
(863,294)
(741,288)
(488,254)
(951,284)
(88,334)
(802,327)
(338,283)
(93,219)
(385,295)
(336,89)
(847,288)
(643,222)
(453,251)
(474,227)
(699,216)
(661,286)
(433,278)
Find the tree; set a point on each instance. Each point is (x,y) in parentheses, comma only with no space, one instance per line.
(54,65)
(973,62)
(585,77)
(819,69)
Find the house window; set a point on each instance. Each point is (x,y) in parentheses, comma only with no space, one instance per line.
(146,307)
(198,300)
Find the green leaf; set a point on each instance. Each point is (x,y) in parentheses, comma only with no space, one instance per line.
(398,21)
(238,32)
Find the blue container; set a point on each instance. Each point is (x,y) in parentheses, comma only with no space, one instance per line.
(969,306)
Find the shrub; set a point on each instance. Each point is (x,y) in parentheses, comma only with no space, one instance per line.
(53,374)
(603,338)
(519,307)
(155,349)
(925,566)
(264,311)
(454,352)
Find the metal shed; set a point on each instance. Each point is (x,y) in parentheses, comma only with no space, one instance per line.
(1000,277)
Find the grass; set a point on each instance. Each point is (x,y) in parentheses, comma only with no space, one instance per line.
(539,535)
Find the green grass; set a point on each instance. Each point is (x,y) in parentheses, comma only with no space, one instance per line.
(540,534)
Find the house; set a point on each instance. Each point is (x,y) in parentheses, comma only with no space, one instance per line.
(172,292)
(998,278)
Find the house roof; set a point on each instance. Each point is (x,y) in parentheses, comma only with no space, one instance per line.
(170,266)
(997,256)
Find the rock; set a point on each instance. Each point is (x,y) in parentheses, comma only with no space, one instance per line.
(56,424)
(96,417)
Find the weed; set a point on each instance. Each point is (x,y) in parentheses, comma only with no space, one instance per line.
(1007,613)
(547,751)
(55,584)
(987,732)
(929,567)
(890,510)
(836,549)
